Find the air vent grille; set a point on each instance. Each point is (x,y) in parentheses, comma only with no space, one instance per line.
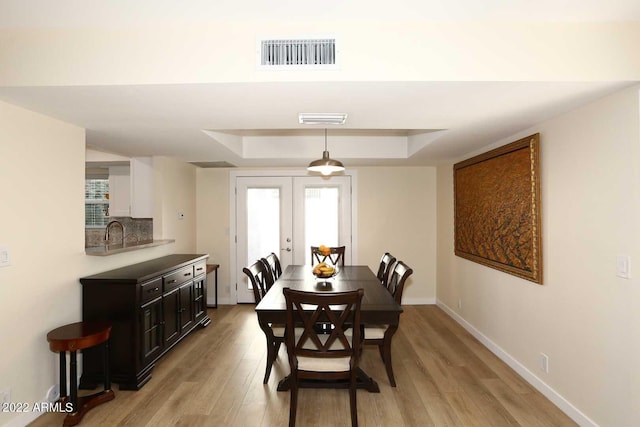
(209,165)
(300,52)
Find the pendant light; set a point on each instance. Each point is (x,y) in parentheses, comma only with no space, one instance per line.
(326,165)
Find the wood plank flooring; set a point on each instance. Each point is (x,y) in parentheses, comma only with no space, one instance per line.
(444,377)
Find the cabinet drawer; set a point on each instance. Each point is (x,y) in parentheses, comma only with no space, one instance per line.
(178,277)
(150,290)
(199,268)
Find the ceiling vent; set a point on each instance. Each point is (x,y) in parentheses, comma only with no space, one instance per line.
(322,118)
(209,165)
(287,54)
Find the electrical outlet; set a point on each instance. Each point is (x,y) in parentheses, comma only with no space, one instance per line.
(460,303)
(5,395)
(53,394)
(544,362)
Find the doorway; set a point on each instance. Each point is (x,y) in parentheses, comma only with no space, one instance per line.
(286,215)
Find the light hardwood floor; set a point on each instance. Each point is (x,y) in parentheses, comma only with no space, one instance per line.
(444,376)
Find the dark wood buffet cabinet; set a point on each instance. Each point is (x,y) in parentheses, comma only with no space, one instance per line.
(152,306)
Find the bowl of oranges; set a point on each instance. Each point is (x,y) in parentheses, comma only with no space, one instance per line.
(324,270)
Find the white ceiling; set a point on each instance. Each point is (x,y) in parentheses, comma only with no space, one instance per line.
(255,124)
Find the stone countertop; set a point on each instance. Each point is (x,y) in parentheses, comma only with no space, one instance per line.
(106,250)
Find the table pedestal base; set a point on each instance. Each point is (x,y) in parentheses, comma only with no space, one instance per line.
(364,381)
(85,403)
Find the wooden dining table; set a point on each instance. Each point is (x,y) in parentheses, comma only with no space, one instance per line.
(378,306)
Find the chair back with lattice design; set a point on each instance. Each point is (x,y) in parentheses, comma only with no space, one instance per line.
(260,277)
(399,276)
(273,264)
(335,257)
(386,262)
(341,310)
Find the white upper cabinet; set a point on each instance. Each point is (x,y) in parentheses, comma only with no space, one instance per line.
(131,189)
(119,191)
(141,171)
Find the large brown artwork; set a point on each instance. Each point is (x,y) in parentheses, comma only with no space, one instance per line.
(497,209)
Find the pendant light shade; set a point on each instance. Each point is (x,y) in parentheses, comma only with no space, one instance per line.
(326,165)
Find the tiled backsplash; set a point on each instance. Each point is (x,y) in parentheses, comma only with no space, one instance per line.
(135,230)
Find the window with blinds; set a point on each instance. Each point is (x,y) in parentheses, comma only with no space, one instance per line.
(96,202)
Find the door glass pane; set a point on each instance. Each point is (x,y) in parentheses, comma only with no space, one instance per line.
(263,223)
(321,207)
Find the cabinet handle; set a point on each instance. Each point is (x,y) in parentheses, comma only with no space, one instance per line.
(156,289)
(171,281)
(187,274)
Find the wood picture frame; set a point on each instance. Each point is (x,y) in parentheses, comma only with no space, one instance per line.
(497,209)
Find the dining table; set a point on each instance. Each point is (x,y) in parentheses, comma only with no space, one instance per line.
(378,306)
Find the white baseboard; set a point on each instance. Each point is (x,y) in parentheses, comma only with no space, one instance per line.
(25,418)
(565,406)
(418,301)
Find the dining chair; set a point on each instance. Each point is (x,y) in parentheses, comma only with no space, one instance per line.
(327,357)
(335,257)
(261,281)
(381,335)
(386,262)
(260,277)
(273,263)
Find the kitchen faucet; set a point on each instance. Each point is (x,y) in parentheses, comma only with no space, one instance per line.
(106,231)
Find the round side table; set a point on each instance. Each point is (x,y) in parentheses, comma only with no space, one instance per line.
(71,338)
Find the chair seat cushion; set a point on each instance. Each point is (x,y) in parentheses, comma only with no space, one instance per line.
(374,332)
(323,364)
(331,364)
(278,329)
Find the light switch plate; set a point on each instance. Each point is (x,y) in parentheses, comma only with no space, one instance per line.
(5,258)
(623,266)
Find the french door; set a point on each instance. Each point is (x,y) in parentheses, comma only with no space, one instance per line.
(287,215)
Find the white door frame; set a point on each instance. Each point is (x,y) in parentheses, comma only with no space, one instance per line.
(233,279)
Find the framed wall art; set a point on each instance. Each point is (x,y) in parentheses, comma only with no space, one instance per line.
(497,209)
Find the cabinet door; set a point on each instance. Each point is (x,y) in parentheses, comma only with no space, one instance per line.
(186,307)
(171,307)
(199,297)
(119,191)
(151,322)
(141,187)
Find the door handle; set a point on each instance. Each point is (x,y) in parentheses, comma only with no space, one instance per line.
(286,249)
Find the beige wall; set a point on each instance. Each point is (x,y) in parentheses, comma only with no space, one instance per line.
(213,226)
(42,223)
(583,317)
(385,223)
(451,51)
(174,193)
(397,214)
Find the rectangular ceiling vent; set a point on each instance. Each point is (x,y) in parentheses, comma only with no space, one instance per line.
(287,54)
(209,165)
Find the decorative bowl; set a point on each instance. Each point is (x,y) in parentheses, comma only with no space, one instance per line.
(328,275)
